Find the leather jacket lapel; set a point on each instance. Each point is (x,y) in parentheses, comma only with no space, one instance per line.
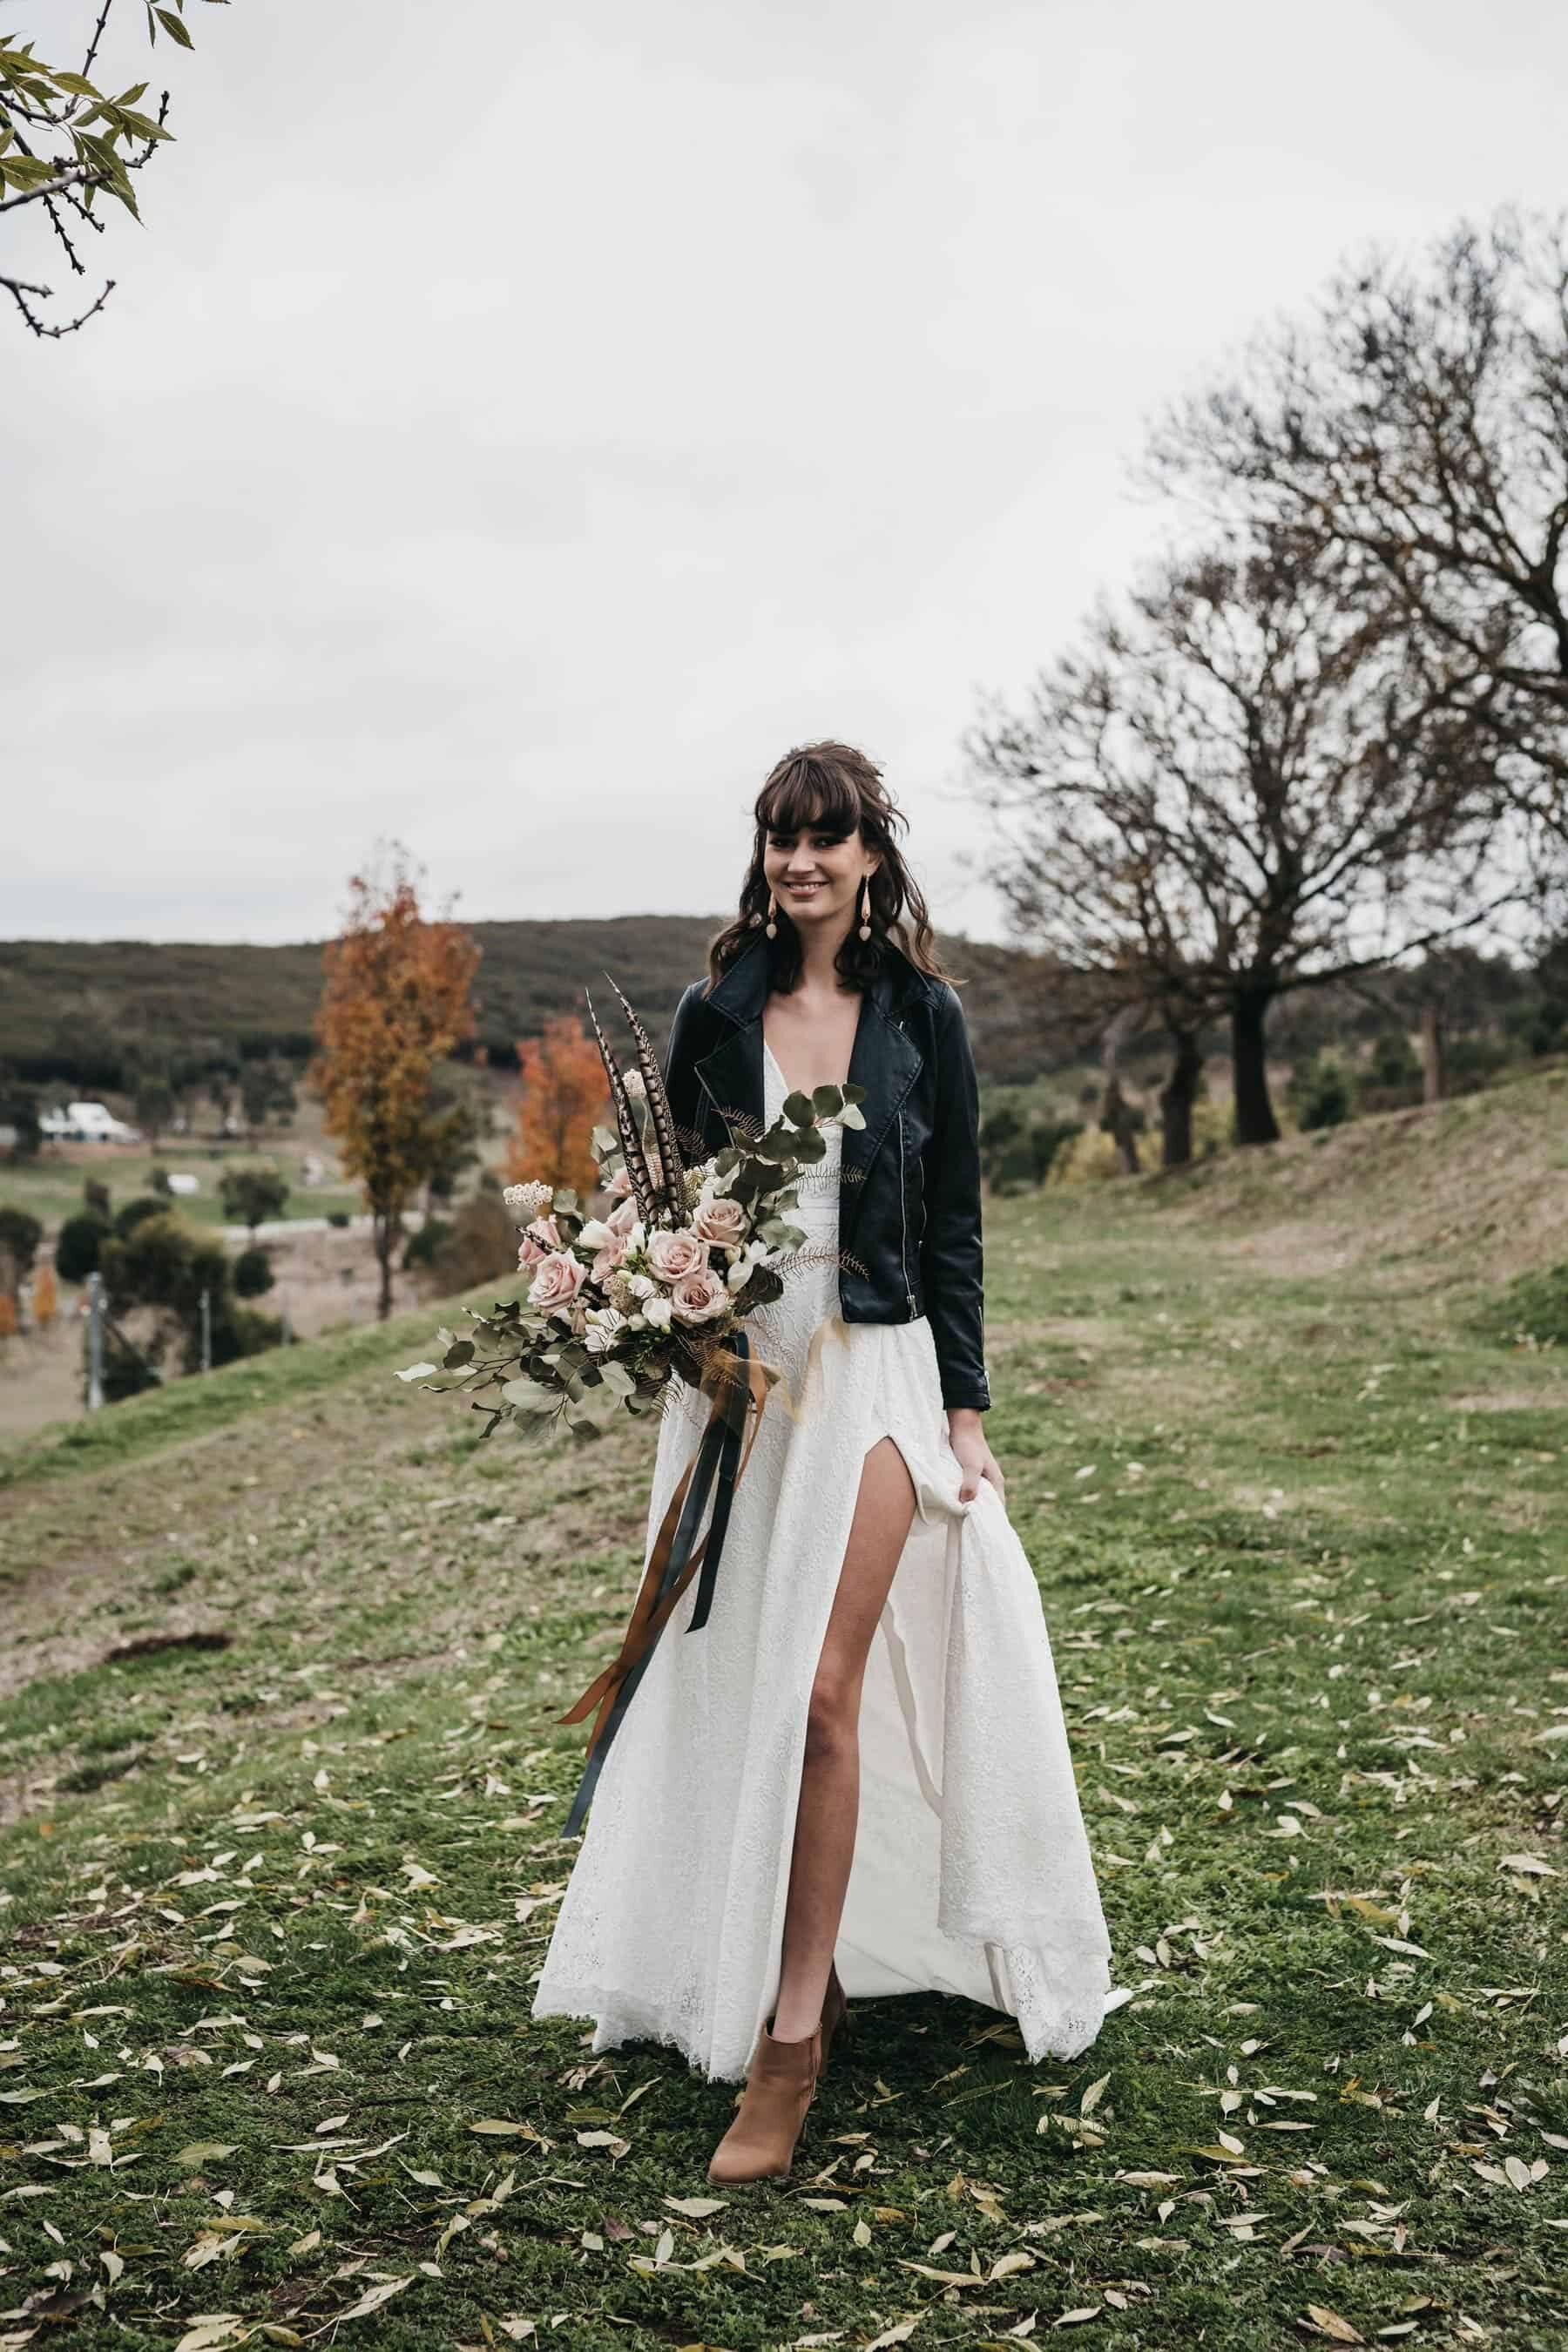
(886,1063)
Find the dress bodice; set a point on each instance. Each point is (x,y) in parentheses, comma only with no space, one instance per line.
(816,1187)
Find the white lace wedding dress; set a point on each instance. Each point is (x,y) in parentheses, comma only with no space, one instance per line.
(972,1871)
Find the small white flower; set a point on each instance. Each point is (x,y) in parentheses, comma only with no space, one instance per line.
(655,1313)
(597,1236)
(528,1199)
(739,1274)
(604,1324)
(641,1286)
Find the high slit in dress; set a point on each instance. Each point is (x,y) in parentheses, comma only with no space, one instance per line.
(972,1871)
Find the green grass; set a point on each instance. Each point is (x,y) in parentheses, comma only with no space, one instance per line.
(185,1408)
(272,1911)
(52,1189)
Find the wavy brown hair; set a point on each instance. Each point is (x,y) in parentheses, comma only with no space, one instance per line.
(832,788)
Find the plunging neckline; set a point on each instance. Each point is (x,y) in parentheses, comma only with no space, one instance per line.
(779,1069)
(779,1072)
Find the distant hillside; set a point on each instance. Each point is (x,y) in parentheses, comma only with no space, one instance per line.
(79,1013)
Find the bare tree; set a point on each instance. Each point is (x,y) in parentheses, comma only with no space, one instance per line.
(1237,789)
(1417,429)
(63,140)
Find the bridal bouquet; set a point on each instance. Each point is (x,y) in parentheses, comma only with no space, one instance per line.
(617,1305)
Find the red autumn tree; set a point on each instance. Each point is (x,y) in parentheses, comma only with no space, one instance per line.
(563,1091)
(397,1001)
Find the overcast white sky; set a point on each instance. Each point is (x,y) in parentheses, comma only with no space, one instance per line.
(512,437)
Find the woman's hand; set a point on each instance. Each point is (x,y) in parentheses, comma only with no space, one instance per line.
(975,1459)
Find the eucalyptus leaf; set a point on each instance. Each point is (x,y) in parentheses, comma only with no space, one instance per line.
(528,1398)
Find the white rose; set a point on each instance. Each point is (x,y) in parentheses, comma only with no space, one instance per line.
(597,1236)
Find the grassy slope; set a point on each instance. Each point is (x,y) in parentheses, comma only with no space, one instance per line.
(1299,1534)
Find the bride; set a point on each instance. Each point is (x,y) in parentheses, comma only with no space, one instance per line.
(854,1780)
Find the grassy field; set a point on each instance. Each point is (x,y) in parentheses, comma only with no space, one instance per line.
(51,1187)
(279,1669)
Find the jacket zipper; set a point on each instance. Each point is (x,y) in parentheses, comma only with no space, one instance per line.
(903,1222)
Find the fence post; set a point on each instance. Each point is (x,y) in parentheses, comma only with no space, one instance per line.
(206,1330)
(94,1342)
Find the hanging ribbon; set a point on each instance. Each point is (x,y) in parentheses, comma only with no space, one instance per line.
(737,1384)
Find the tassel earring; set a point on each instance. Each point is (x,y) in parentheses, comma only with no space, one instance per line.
(773,929)
(866,907)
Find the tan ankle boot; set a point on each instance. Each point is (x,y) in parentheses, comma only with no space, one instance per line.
(759,2143)
(834,2013)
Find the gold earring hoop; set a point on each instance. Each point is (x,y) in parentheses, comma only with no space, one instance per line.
(866,907)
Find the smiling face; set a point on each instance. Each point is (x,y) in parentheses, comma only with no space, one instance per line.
(815,873)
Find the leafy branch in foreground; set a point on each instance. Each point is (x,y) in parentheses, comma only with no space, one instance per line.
(63,138)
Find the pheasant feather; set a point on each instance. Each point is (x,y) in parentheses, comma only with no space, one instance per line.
(626,1120)
(670,1163)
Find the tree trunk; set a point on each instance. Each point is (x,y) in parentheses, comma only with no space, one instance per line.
(1178,1097)
(1434,1072)
(385,1227)
(1116,1119)
(1255,1119)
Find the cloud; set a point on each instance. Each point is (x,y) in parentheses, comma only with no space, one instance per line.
(517,442)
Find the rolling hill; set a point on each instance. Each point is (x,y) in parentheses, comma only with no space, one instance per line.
(75,1011)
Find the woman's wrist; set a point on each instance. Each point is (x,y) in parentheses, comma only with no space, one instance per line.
(963,1416)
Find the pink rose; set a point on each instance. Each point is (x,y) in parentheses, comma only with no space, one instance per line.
(721,1222)
(538,1238)
(608,1258)
(620,1184)
(698,1298)
(558,1279)
(673,1255)
(622,1220)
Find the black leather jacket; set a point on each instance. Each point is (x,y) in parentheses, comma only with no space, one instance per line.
(910,1206)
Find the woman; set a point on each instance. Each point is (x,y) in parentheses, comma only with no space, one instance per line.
(789,1795)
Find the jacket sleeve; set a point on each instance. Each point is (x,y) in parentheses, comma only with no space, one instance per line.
(952,1254)
(681,1083)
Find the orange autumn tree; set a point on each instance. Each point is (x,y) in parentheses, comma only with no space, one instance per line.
(563,1091)
(397,1001)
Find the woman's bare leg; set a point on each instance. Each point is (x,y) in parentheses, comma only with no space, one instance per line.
(830,1776)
